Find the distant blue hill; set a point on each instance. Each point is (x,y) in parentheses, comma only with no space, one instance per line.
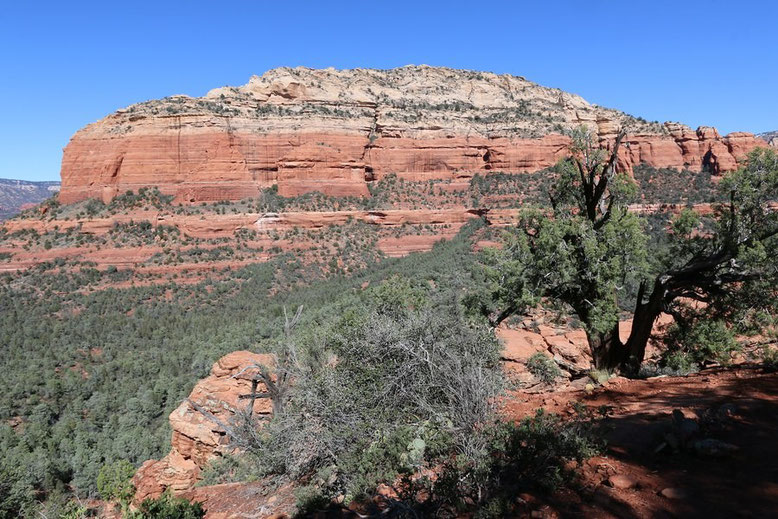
(769,137)
(15,194)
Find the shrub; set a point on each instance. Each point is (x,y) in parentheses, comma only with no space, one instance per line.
(770,358)
(114,482)
(379,392)
(543,367)
(168,507)
(309,499)
(398,293)
(16,498)
(533,454)
(94,207)
(691,344)
(678,363)
(75,510)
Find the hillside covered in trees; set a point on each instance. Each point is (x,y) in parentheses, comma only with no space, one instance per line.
(397,370)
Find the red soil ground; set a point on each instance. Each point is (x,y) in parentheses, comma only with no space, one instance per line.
(743,484)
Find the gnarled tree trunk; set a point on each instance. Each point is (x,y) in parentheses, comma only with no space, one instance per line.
(642,325)
(607,349)
(608,352)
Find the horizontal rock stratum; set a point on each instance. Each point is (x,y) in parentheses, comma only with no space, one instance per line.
(335,131)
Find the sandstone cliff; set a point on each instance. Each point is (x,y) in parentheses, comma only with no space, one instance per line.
(336,131)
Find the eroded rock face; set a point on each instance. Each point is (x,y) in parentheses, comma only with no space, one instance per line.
(196,440)
(335,131)
(565,343)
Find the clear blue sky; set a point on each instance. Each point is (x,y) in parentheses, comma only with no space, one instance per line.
(65,64)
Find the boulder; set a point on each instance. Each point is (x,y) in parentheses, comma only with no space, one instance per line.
(519,344)
(574,354)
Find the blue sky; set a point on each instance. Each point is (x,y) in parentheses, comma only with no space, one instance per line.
(66,64)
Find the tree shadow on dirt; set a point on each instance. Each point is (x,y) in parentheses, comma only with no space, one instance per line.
(718,456)
(655,451)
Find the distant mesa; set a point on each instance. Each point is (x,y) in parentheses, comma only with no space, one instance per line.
(335,131)
(770,137)
(18,195)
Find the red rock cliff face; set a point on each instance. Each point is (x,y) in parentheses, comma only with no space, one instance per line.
(335,131)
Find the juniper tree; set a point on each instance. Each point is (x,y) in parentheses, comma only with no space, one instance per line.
(589,250)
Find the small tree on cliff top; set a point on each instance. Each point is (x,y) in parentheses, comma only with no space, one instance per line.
(591,250)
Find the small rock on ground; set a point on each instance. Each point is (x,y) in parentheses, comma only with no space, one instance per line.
(713,448)
(621,481)
(673,493)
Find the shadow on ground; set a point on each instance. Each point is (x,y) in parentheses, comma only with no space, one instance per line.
(723,463)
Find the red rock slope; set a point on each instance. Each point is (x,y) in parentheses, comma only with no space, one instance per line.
(336,131)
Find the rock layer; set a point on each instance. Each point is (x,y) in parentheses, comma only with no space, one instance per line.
(336,131)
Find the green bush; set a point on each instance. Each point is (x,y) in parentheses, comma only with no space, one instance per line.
(693,343)
(168,507)
(114,482)
(399,293)
(309,499)
(16,495)
(380,391)
(678,363)
(543,367)
(75,510)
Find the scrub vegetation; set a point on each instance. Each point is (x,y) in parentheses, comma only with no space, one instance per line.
(394,365)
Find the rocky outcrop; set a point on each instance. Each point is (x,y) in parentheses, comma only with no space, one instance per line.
(196,439)
(566,344)
(336,131)
(689,149)
(247,499)
(222,226)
